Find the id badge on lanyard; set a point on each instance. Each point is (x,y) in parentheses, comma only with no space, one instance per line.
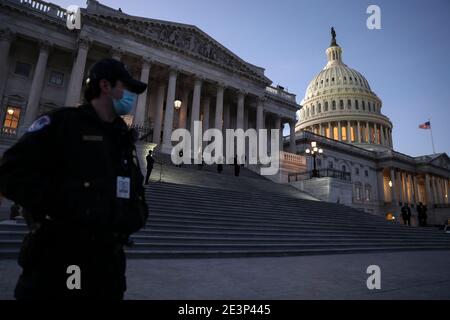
(123,187)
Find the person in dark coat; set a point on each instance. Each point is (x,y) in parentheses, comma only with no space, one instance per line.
(76,174)
(150,162)
(406,218)
(237,168)
(14,211)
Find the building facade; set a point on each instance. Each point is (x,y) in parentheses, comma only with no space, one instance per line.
(43,66)
(359,166)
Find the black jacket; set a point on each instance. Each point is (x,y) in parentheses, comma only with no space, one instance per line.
(66,167)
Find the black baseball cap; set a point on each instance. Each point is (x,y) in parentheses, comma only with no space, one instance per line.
(112,69)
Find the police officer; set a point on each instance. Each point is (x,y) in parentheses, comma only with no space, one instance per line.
(76,174)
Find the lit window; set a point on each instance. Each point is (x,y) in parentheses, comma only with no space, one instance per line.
(23,69)
(56,78)
(12,117)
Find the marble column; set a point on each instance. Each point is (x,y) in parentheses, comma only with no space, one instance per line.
(37,85)
(349,133)
(429,192)
(339,131)
(76,76)
(434,190)
(226,117)
(139,115)
(218,122)
(168,116)
(380,179)
(240,111)
(393,188)
(400,187)
(182,120)
(159,113)
(206,102)
(359,131)
(330,131)
(260,114)
(6,38)
(278,127)
(416,190)
(292,143)
(195,114)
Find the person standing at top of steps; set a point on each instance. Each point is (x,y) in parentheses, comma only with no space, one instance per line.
(406,214)
(75,171)
(150,162)
(237,168)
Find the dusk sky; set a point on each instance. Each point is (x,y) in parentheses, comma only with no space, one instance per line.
(406,63)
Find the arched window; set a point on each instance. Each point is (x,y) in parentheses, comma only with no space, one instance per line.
(319,108)
(326,106)
(344,168)
(334,105)
(364,105)
(369,106)
(349,104)
(313,111)
(330,164)
(307,112)
(341,104)
(356,105)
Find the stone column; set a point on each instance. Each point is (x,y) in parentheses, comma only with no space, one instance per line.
(159,114)
(218,122)
(434,190)
(206,103)
(339,131)
(6,38)
(168,117)
(349,133)
(139,116)
(37,85)
(278,127)
(240,110)
(292,143)
(182,120)
(400,186)
(226,117)
(260,114)
(430,200)
(440,194)
(359,131)
(382,135)
(77,74)
(320,129)
(393,188)
(330,130)
(195,114)
(416,189)
(380,179)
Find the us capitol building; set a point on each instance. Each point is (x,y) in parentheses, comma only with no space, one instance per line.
(44,64)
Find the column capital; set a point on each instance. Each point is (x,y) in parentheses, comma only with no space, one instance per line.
(261,99)
(221,85)
(145,61)
(7,35)
(242,92)
(45,45)
(84,42)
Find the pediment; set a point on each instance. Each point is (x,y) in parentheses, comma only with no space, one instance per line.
(442,161)
(182,37)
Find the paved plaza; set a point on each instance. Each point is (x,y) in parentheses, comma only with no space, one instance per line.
(404,275)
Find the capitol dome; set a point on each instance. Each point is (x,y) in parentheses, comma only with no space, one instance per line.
(340,105)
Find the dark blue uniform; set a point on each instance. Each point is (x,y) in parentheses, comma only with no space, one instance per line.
(66,172)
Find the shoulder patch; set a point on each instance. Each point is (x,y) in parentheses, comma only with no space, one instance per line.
(39,123)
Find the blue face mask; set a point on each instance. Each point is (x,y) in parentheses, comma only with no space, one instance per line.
(125,105)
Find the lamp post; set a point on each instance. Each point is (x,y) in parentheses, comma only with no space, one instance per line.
(313,152)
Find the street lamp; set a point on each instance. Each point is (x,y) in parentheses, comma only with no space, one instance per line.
(390,183)
(313,152)
(177,104)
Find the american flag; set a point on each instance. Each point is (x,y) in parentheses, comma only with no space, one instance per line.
(426,125)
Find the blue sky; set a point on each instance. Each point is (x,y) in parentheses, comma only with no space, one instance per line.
(407,62)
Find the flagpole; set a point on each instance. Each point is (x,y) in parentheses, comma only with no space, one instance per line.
(432,140)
